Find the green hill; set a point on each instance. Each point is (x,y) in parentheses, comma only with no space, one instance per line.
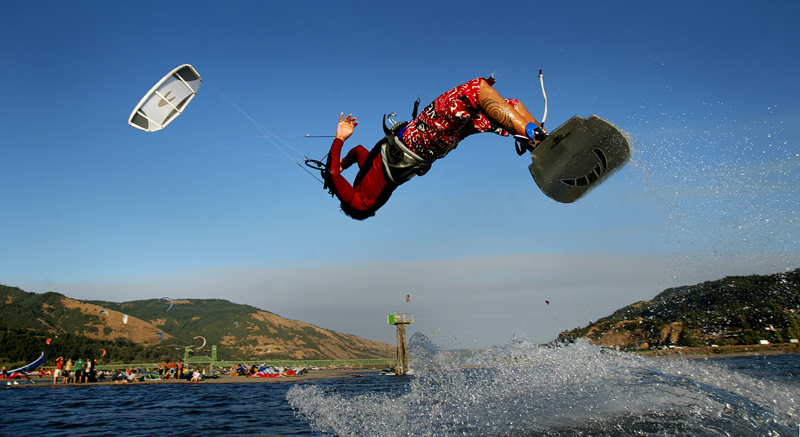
(133,330)
(736,310)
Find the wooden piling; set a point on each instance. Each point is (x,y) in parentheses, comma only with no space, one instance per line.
(401,320)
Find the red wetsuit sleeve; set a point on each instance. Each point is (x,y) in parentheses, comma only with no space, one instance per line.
(356,154)
(343,188)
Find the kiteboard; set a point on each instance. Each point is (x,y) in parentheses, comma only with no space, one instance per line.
(577,157)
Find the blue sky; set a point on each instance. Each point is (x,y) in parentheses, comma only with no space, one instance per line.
(95,209)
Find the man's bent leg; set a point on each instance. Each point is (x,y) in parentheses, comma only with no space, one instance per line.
(523,111)
(500,112)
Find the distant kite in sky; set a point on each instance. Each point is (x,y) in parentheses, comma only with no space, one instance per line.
(162,337)
(204,341)
(170,302)
(408,298)
(547,302)
(125,319)
(101,312)
(166,100)
(104,352)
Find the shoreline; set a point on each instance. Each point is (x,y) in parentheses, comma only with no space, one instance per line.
(703,352)
(47,381)
(692,353)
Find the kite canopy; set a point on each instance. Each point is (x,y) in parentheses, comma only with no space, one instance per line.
(39,361)
(204,341)
(166,100)
(170,302)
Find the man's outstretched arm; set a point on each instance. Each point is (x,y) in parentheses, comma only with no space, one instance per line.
(343,131)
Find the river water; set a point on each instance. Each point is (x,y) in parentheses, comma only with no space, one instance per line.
(514,390)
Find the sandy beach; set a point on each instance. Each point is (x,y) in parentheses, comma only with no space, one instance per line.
(45,381)
(725,351)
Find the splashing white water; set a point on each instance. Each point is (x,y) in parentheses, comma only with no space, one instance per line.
(521,389)
(724,189)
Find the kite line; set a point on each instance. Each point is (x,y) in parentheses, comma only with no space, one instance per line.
(264,133)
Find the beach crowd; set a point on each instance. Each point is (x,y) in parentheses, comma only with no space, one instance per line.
(80,371)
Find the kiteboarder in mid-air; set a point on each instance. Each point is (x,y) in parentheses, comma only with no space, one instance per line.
(588,150)
(409,149)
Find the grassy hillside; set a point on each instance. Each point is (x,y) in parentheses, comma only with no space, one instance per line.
(239,331)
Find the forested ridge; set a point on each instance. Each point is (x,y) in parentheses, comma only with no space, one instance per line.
(736,310)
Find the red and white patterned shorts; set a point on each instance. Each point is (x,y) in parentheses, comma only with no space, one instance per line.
(449,119)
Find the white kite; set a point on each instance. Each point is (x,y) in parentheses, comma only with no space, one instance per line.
(204,341)
(166,100)
(170,302)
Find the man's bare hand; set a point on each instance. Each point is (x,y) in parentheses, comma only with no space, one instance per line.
(346,126)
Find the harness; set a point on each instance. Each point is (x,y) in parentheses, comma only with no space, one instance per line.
(400,162)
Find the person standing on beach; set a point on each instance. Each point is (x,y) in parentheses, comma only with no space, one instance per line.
(93,372)
(79,370)
(87,369)
(171,369)
(67,370)
(59,367)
